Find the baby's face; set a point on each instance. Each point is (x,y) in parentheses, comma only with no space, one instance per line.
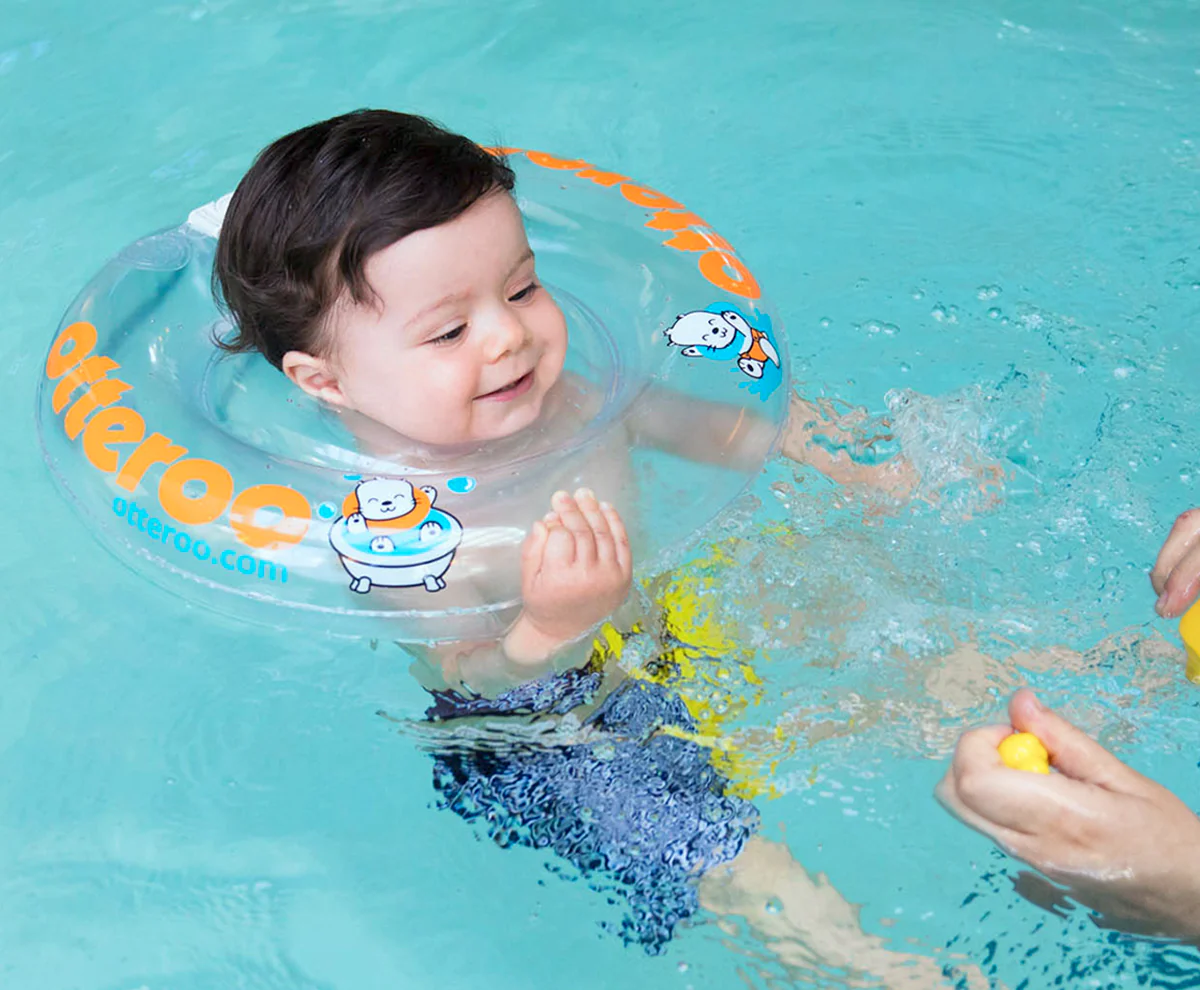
(464,342)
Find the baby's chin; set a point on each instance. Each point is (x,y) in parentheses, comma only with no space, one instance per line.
(517,421)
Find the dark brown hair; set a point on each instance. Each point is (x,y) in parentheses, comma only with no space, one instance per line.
(317,203)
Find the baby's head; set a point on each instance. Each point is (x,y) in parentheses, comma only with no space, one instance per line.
(381,263)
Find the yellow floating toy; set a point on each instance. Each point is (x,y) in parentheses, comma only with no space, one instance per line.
(1024,751)
(1189,629)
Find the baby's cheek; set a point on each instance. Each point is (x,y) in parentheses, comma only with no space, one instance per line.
(555,320)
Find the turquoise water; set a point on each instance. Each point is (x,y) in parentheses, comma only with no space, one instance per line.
(993,205)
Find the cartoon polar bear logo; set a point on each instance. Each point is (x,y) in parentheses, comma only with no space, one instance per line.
(390,535)
(716,331)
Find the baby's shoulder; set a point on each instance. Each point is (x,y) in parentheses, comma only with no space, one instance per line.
(578,400)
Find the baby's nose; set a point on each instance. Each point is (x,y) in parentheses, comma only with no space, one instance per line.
(507,335)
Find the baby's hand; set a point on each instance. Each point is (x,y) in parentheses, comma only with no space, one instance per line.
(576,569)
(1176,574)
(895,476)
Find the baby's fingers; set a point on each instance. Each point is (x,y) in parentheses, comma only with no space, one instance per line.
(534,547)
(576,523)
(560,547)
(605,547)
(620,538)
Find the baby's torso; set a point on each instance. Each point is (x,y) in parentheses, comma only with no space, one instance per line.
(497,494)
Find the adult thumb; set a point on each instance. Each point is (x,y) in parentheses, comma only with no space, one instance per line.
(1072,751)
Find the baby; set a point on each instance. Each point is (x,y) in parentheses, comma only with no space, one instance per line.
(381,263)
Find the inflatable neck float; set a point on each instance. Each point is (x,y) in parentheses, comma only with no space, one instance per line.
(216,478)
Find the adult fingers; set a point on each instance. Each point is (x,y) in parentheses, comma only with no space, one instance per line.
(1181,586)
(1026,803)
(1184,535)
(949,798)
(1072,751)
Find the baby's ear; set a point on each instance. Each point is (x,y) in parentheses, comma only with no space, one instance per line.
(314,376)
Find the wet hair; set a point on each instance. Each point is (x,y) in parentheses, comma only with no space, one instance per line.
(319,202)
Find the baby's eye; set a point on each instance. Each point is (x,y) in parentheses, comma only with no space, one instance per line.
(449,335)
(525,294)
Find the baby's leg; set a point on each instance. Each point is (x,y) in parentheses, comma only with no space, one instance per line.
(810,927)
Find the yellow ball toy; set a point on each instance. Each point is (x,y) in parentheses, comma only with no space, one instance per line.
(1189,630)
(1024,751)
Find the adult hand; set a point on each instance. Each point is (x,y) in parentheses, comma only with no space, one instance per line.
(1118,842)
(1176,573)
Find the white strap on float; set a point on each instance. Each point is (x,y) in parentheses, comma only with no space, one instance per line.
(207,219)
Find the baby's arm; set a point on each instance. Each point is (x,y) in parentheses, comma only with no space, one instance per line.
(807,421)
(731,436)
(699,430)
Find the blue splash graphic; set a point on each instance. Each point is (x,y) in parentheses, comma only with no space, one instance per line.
(772,374)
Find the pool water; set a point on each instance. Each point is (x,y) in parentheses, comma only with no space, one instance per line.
(979,220)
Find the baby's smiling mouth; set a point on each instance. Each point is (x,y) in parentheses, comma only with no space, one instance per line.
(518,386)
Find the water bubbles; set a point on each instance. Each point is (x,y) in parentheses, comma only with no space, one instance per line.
(825,323)
(986,292)
(944,314)
(905,367)
(875,327)
(773,906)
(1122,371)
(918,293)
(994,313)
(682,967)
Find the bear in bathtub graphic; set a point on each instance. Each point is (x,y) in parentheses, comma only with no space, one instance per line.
(714,330)
(390,535)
